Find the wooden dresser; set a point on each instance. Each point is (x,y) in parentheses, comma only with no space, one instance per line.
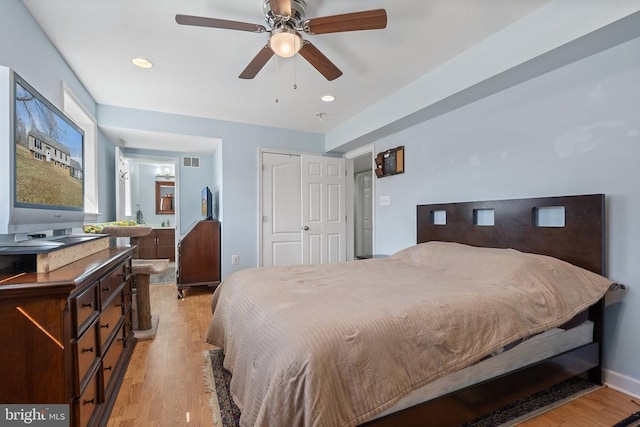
(66,336)
(199,256)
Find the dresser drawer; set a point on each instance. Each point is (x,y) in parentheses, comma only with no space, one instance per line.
(84,309)
(88,400)
(111,283)
(109,319)
(86,350)
(110,359)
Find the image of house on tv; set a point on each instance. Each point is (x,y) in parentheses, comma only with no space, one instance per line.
(46,149)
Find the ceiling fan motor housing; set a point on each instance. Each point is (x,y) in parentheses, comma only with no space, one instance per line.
(298,13)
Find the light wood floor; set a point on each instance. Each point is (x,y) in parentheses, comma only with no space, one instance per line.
(164,384)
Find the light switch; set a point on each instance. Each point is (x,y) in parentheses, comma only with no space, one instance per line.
(385,200)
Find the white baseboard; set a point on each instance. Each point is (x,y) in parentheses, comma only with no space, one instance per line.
(623,383)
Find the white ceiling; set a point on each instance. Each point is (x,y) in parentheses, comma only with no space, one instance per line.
(196,69)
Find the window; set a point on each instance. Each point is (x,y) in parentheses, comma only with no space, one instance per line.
(90,167)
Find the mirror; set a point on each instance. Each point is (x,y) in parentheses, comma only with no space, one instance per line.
(164,197)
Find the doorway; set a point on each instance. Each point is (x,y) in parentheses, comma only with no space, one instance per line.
(139,196)
(363,214)
(361,207)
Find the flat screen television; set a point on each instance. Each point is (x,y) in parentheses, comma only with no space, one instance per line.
(207,203)
(45,153)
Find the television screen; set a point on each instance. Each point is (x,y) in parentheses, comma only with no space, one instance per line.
(48,154)
(207,203)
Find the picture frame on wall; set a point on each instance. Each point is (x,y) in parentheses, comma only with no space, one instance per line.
(390,162)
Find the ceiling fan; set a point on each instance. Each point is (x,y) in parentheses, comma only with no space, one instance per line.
(286,19)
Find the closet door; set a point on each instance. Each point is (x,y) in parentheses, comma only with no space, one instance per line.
(323,210)
(281,235)
(303,213)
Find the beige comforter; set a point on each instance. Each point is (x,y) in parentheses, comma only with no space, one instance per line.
(336,344)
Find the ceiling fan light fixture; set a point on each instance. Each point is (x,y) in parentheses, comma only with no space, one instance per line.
(285,42)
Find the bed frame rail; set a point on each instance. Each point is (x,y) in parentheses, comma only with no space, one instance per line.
(474,401)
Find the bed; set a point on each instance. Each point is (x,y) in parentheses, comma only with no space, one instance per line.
(361,342)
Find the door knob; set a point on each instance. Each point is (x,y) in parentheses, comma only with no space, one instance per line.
(305,228)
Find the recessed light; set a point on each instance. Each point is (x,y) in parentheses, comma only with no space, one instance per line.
(328,98)
(142,63)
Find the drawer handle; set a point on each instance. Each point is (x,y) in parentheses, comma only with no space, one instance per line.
(105,326)
(107,289)
(87,304)
(121,339)
(108,368)
(87,350)
(90,401)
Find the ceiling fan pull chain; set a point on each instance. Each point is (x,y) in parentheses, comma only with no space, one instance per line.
(295,72)
(277,62)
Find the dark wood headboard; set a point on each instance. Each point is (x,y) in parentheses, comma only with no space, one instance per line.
(580,241)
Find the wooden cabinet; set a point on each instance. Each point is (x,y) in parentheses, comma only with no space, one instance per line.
(159,244)
(199,256)
(66,335)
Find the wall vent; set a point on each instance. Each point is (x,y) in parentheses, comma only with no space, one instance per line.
(191,162)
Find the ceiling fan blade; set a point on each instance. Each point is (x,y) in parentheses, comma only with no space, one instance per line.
(257,63)
(356,21)
(200,21)
(281,7)
(319,61)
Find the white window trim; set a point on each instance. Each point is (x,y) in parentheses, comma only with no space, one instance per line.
(90,162)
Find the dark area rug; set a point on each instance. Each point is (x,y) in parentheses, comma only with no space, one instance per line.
(535,404)
(523,409)
(229,412)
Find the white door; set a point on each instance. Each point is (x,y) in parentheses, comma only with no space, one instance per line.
(323,210)
(363,214)
(281,234)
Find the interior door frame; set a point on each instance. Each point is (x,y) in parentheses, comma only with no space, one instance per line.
(260,166)
(350,195)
